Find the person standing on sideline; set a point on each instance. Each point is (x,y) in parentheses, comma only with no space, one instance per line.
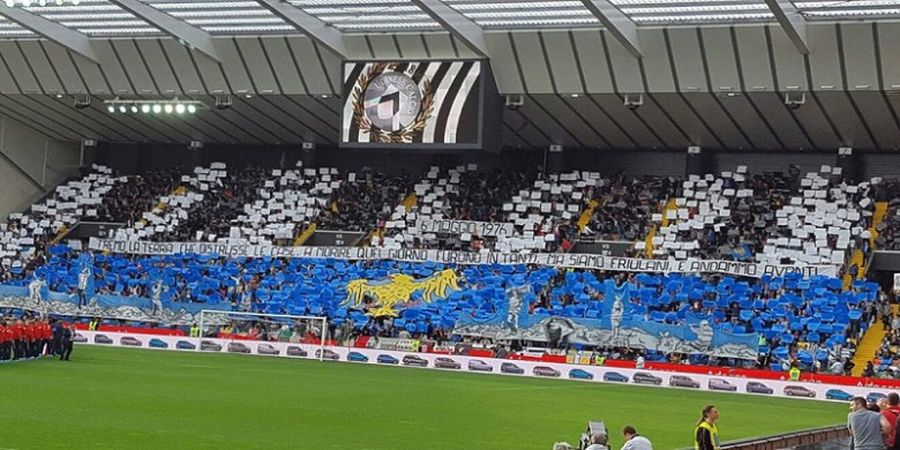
(68,338)
(46,336)
(867,428)
(56,337)
(19,339)
(6,339)
(706,435)
(634,441)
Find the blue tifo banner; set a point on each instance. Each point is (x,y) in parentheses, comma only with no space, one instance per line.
(615,327)
(107,306)
(566,260)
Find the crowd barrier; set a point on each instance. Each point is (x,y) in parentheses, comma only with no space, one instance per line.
(539,369)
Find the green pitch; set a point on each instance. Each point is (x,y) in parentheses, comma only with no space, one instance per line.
(128,399)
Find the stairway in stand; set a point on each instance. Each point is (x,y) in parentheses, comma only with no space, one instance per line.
(867,347)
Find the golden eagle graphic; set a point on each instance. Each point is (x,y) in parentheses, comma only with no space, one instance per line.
(397,289)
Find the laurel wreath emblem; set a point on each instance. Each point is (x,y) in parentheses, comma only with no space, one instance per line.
(404,135)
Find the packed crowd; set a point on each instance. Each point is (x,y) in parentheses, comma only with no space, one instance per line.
(365,202)
(126,202)
(212,217)
(626,206)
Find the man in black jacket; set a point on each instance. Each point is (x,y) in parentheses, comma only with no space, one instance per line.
(66,341)
(56,341)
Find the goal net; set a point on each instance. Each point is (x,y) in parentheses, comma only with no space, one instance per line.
(263,334)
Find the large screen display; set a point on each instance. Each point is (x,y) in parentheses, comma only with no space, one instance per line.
(413,104)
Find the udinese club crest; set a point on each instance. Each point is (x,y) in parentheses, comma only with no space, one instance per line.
(390,106)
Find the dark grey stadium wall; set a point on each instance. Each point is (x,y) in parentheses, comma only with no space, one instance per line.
(136,158)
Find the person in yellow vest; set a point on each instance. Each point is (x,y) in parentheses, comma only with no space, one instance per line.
(706,435)
(94,324)
(794,373)
(195,330)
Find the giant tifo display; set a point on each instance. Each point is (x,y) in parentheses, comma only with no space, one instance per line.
(503,280)
(749,312)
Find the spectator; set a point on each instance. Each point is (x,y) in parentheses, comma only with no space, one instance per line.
(634,441)
(867,428)
(598,442)
(891,412)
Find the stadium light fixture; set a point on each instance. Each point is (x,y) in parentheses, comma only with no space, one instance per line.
(153,106)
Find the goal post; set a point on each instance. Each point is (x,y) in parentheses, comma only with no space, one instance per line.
(236,328)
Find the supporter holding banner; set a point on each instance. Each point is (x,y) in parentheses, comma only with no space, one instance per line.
(573,260)
(457,227)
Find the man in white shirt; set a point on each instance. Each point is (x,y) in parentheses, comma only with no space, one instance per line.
(634,441)
(83,278)
(34,290)
(598,442)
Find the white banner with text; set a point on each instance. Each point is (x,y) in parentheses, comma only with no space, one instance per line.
(459,227)
(566,260)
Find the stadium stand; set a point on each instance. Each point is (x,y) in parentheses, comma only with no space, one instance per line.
(24,236)
(815,323)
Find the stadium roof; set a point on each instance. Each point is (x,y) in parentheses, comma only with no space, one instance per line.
(113,18)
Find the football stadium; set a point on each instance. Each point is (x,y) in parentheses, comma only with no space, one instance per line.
(450,224)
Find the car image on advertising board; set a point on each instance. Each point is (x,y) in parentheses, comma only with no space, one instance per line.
(238,347)
(267,349)
(837,394)
(646,378)
(798,391)
(580,374)
(413,360)
(480,366)
(683,381)
(509,367)
(357,357)
(387,359)
(755,387)
(544,371)
(718,384)
(293,350)
(327,354)
(615,377)
(446,363)
(130,341)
